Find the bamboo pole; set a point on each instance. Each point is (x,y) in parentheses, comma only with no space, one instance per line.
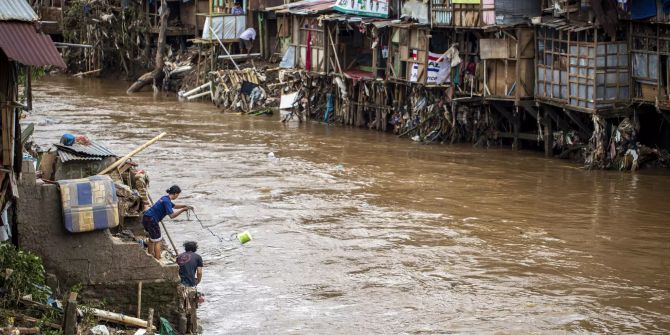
(19,330)
(332,44)
(70,320)
(139,299)
(150,321)
(120,318)
(222,46)
(131,154)
(85,73)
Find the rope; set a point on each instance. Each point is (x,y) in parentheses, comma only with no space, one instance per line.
(221,239)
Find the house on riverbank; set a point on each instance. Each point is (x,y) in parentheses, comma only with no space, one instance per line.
(556,75)
(32,209)
(23,47)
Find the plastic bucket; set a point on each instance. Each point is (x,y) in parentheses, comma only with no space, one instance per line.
(244,237)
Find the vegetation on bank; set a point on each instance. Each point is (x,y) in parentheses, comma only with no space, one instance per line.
(22,278)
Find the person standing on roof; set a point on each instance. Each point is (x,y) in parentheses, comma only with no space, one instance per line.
(162,208)
(247,40)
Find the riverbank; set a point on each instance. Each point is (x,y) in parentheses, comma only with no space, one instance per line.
(351,226)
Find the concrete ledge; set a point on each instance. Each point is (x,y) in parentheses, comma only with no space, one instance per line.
(86,258)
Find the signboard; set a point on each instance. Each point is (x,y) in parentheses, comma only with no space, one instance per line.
(373,8)
(438,73)
(469,2)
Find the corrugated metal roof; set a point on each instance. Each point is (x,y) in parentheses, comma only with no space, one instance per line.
(22,43)
(564,24)
(94,149)
(65,156)
(263,4)
(378,23)
(18,10)
(305,7)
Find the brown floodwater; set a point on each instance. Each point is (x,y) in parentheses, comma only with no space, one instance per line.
(355,231)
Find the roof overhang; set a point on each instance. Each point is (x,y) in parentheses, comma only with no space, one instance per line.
(23,43)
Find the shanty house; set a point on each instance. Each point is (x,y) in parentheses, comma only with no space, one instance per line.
(480,13)
(650,53)
(22,46)
(335,35)
(581,67)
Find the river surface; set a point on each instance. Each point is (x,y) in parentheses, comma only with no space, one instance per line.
(358,232)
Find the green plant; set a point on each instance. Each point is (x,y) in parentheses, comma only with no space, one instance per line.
(35,71)
(21,274)
(89,319)
(51,317)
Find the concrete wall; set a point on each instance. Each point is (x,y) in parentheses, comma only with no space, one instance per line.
(109,268)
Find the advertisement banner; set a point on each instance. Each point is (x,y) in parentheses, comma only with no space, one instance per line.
(438,73)
(373,8)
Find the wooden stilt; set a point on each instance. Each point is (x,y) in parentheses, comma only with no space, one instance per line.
(70,322)
(139,300)
(516,126)
(548,136)
(150,322)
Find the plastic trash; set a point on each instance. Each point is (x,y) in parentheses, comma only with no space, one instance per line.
(67,139)
(100,330)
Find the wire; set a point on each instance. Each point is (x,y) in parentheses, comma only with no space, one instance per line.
(221,239)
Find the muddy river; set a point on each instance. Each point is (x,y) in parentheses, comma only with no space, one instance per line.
(357,232)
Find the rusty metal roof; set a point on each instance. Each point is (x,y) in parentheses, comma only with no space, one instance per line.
(81,152)
(263,4)
(305,7)
(65,156)
(18,10)
(93,149)
(21,42)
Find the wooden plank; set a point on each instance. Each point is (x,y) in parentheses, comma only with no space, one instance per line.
(493,48)
(520,136)
(548,137)
(70,321)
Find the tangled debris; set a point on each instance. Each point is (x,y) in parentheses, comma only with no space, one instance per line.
(119,36)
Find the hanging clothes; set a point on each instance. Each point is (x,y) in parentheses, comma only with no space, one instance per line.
(488,10)
(308,56)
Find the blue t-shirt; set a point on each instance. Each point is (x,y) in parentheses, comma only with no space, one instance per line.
(160,209)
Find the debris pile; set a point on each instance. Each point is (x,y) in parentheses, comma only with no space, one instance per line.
(242,90)
(119,36)
(618,148)
(76,157)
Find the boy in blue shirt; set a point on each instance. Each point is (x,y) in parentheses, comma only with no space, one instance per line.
(162,208)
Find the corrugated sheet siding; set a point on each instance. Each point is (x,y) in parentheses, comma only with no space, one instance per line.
(67,157)
(94,149)
(516,11)
(18,10)
(21,42)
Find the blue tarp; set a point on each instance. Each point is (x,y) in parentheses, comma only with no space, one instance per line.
(643,9)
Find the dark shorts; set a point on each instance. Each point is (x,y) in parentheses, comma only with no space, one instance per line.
(152,227)
(246,45)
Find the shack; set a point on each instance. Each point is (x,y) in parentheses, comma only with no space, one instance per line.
(22,47)
(649,41)
(580,66)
